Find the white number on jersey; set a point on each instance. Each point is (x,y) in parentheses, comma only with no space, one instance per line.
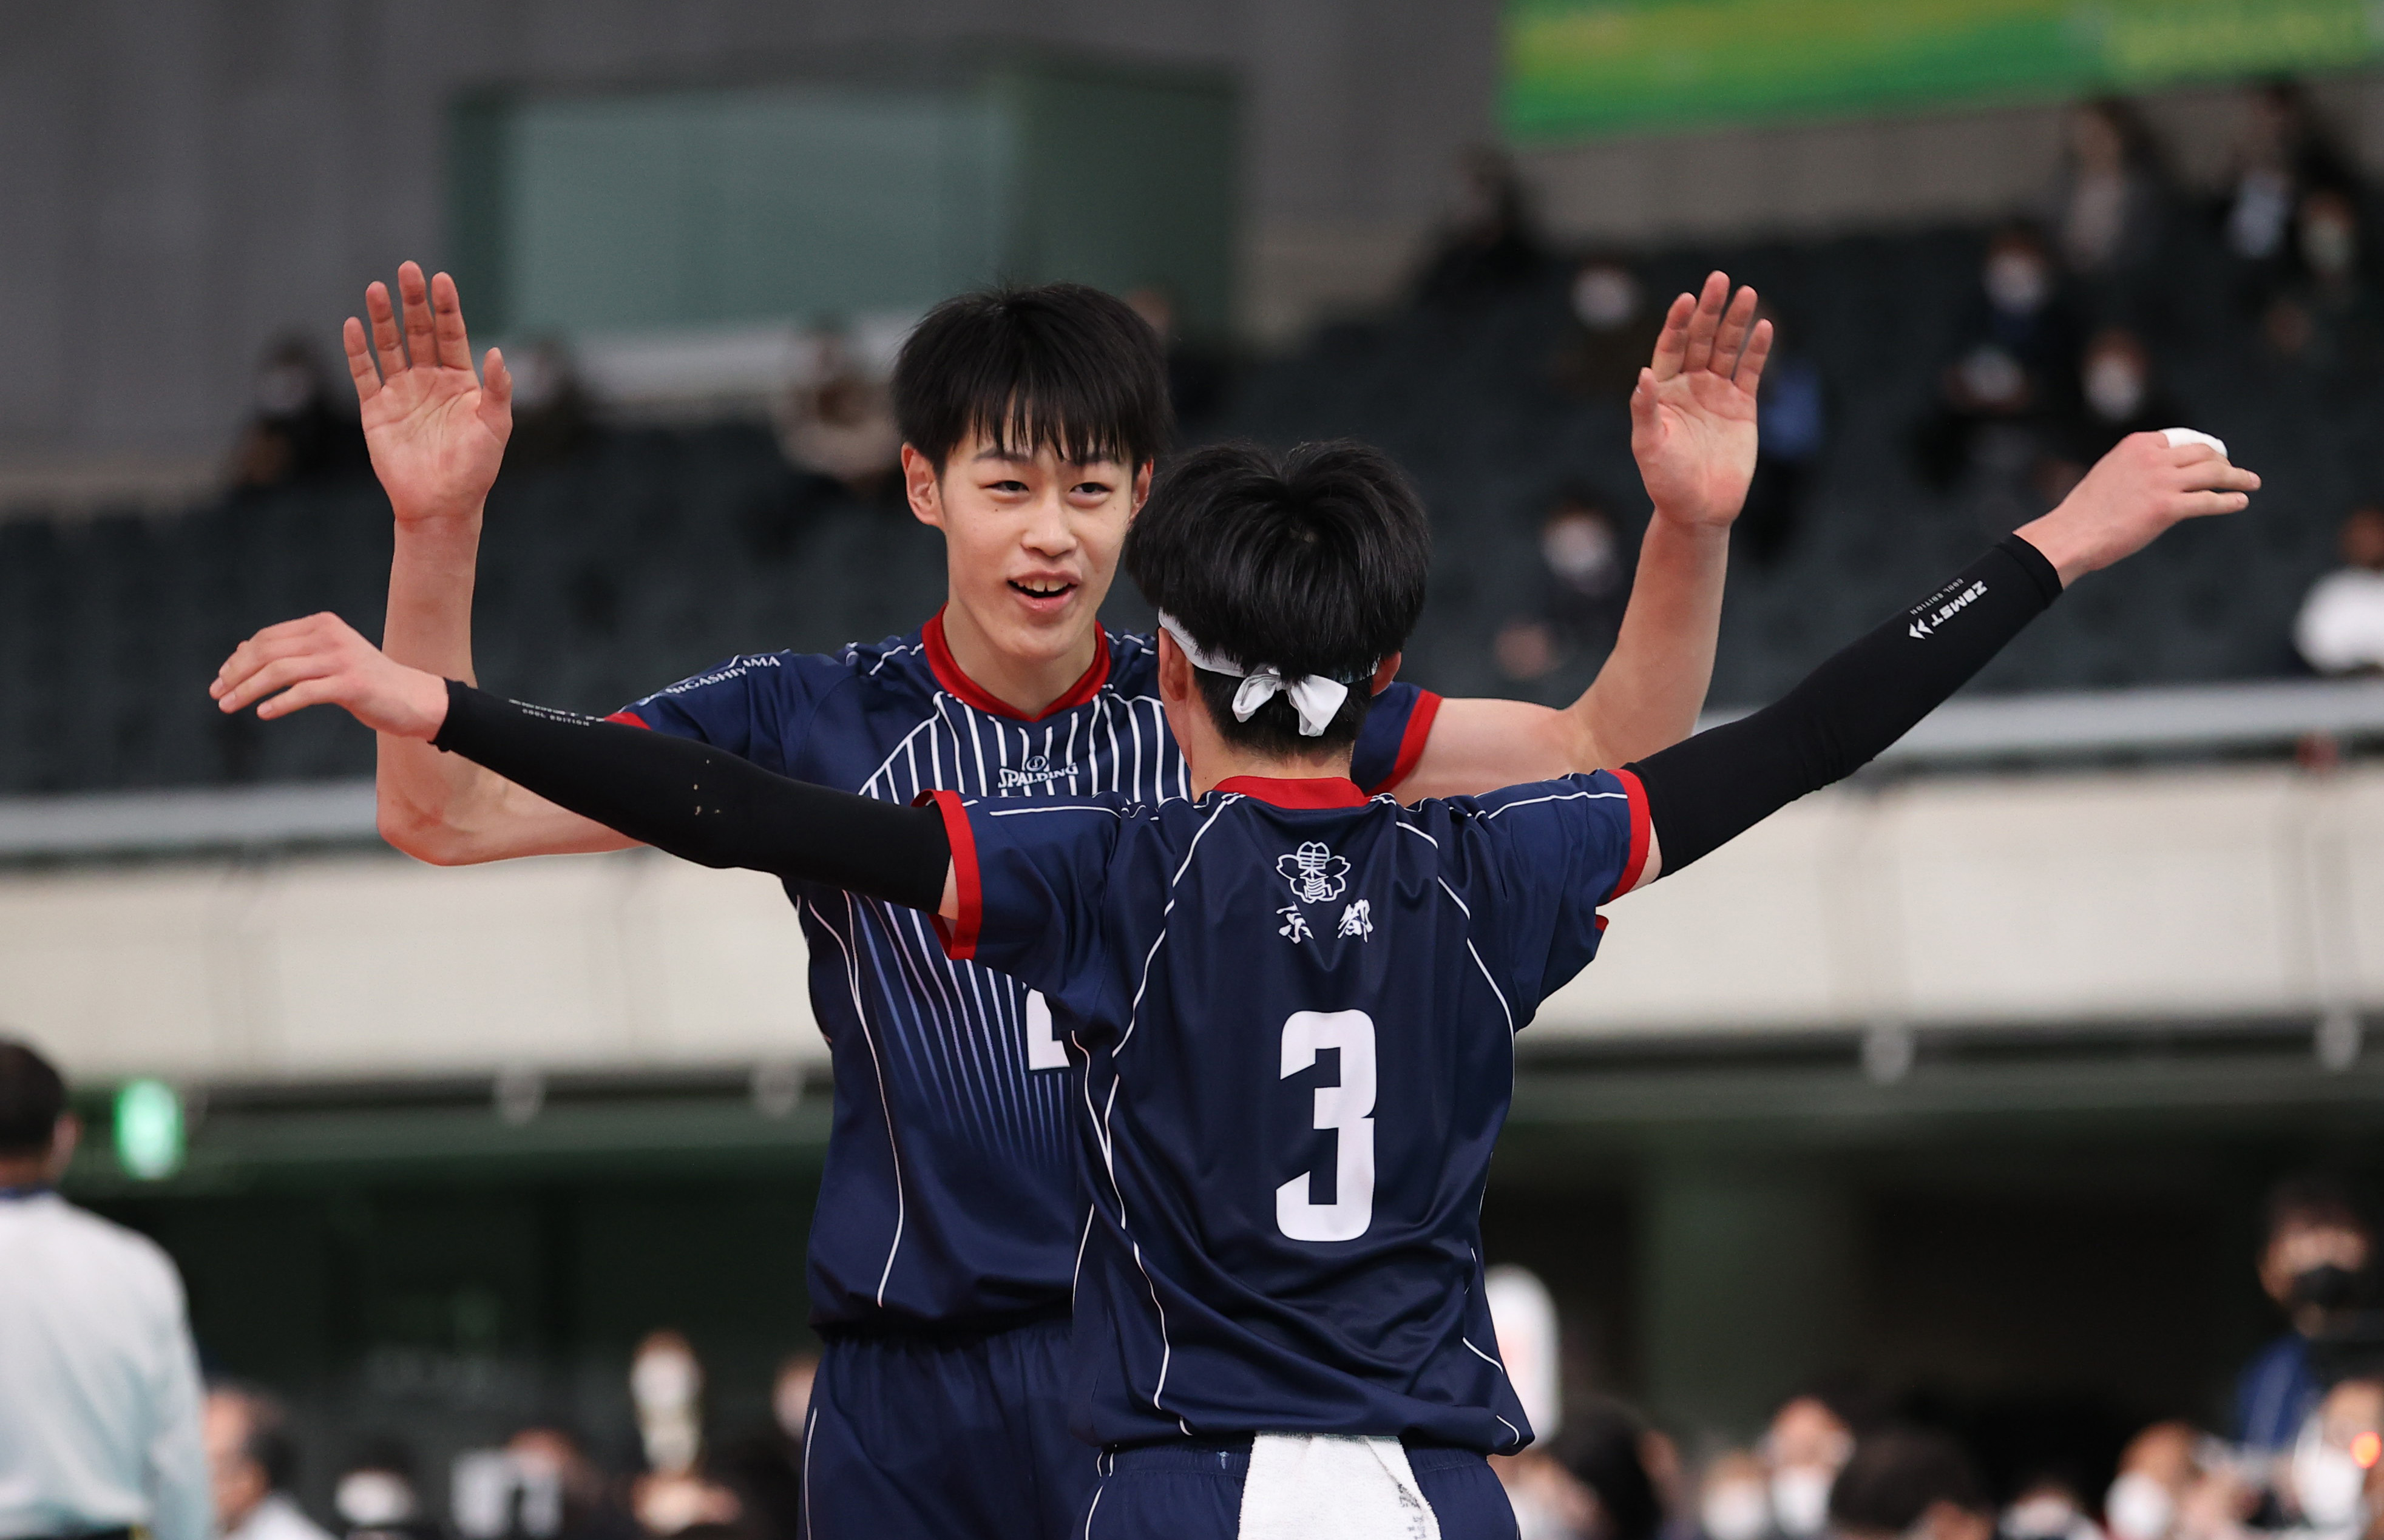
(1044,1049)
(1345,1112)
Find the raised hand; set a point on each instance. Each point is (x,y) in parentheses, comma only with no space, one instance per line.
(1692,413)
(2133,495)
(437,433)
(322,661)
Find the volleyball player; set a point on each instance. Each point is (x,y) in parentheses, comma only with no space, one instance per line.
(1296,1002)
(945,1241)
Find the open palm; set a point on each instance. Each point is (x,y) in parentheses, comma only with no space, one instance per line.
(1692,413)
(436,431)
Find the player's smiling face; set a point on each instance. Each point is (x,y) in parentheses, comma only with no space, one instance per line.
(1031,542)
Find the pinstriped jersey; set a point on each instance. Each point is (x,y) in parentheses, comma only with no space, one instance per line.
(1298,1008)
(948,1196)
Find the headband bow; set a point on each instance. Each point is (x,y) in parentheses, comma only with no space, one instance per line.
(1313,697)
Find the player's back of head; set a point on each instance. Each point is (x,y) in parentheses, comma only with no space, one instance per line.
(32,1099)
(1311,562)
(1061,366)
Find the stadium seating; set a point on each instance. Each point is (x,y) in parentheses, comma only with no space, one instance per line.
(655,553)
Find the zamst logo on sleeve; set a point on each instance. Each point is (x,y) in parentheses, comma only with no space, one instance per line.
(1036,771)
(1926,625)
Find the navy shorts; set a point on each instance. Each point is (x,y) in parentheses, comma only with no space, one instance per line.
(914,1437)
(1186,1492)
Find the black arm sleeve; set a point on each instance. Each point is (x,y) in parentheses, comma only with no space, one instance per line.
(1718,784)
(700,803)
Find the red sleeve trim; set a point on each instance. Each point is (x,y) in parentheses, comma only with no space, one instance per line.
(1411,742)
(629,718)
(960,938)
(1641,836)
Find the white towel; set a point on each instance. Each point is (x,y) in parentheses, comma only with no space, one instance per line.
(1332,1486)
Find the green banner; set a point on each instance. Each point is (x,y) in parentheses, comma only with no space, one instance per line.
(1585,67)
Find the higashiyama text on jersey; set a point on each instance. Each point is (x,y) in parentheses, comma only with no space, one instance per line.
(948,1197)
(1298,1008)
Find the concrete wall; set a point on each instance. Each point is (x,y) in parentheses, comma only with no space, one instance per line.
(2169,898)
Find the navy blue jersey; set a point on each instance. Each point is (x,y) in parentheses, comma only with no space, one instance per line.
(1298,1008)
(948,1196)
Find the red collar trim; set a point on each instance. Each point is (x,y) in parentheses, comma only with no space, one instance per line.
(969,692)
(1309,791)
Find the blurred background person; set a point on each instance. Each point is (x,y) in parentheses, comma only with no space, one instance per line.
(1809,1443)
(2337,1471)
(1583,586)
(299,428)
(765,1470)
(1604,1448)
(2340,627)
(2014,373)
(2157,1469)
(673,1496)
(99,1384)
(2323,316)
(2313,1262)
(1792,432)
(253,1462)
(2282,154)
(1492,243)
(553,418)
(1612,332)
(2047,1505)
(1906,1483)
(2118,394)
(2109,204)
(563,1496)
(840,423)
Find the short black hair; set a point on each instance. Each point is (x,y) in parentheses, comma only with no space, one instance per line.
(1896,1475)
(1060,367)
(1602,1445)
(1313,562)
(32,1099)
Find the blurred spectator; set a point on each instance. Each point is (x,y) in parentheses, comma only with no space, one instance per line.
(841,424)
(2313,1262)
(2284,153)
(666,1387)
(553,420)
(1583,589)
(1734,1498)
(2157,1469)
(297,432)
(2338,1464)
(1808,1445)
(376,1499)
(766,1470)
(1792,428)
(2325,312)
(1491,244)
(1604,1447)
(100,1425)
(562,1495)
(1196,376)
(2117,395)
(2047,1507)
(1904,1484)
(2340,627)
(2107,206)
(2014,371)
(1613,333)
(252,1461)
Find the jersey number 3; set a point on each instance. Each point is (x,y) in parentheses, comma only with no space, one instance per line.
(1347,1112)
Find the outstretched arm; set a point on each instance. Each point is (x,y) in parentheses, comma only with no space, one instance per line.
(694,801)
(438,433)
(1722,782)
(1693,433)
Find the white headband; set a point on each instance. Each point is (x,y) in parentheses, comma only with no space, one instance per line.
(1315,698)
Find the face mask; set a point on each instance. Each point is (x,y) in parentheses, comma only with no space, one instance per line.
(2016,282)
(2325,1286)
(2328,1484)
(373,1499)
(1800,1499)
(2139,1507)
(2115,388)
(1735,1511)
(2046,1518)
(1604,297)
(664,1380)
(1580,550)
